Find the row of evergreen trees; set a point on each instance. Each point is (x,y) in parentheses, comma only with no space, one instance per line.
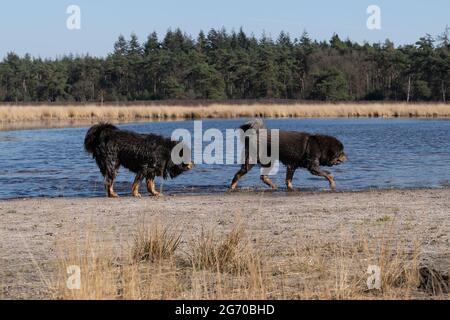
(223,65)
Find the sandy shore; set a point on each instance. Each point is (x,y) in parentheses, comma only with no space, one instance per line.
(32,229)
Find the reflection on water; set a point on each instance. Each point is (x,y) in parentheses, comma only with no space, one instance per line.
(383,153)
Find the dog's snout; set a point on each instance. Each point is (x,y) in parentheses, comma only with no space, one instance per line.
(190,165)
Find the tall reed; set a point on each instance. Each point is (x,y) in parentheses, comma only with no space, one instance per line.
(11,114)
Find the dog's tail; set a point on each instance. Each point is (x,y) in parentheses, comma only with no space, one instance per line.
(250,130)
(255,124)
(93,135)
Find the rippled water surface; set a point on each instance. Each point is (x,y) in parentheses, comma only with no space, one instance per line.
(383,153)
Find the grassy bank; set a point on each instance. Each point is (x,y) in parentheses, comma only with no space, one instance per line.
(238,246)
(161,264)
(15,114)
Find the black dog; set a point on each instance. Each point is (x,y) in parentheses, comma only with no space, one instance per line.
(296,150)
(147,155)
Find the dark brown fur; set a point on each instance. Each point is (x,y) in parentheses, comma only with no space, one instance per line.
(298,150)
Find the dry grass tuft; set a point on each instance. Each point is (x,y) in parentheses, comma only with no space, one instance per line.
(155,243)
(229,253)
(434,282)
(208,252)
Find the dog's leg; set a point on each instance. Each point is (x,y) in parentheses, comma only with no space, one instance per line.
(266,180)
(135,186)
(151,187)
(111,173)
(243,171)
(100,163)
(109,186)
(315,170)
(289,176)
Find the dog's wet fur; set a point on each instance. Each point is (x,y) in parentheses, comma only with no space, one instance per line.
(147,155)
(296,150)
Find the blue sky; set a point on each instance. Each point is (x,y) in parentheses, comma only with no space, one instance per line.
(39,27)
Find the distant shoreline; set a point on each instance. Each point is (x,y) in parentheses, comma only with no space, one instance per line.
(47,116)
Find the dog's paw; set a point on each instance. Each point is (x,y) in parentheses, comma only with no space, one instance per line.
(333,186)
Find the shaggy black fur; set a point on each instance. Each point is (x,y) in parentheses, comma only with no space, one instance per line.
(147,155)
(297,150)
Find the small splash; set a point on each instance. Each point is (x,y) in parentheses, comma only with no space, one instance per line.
(444,183)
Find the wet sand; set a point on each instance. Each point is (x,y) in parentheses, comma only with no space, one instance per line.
(32,228)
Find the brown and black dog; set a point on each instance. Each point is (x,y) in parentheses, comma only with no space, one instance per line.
(296,150)
(147,155)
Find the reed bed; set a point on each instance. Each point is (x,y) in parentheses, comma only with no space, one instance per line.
(92,113)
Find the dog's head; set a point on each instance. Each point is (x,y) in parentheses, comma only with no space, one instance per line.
(175,170)
(180,160)
(332,150)
(337,154)
(339,158)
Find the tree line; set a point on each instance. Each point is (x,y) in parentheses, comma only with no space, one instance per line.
(235,65)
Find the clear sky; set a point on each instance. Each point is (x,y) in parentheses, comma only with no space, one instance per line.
(39,27)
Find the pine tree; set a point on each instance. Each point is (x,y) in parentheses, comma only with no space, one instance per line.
(234,65)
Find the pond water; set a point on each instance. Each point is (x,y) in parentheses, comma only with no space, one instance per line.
(383,154)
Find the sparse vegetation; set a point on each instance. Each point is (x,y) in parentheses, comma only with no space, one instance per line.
(316,246)
(228,267)
(384,218)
